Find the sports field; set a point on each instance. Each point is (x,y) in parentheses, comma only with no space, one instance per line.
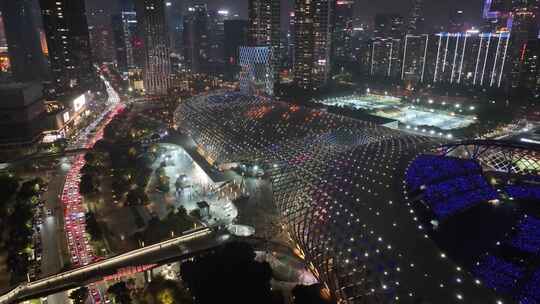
(366,102)
(424,117)
(391,107)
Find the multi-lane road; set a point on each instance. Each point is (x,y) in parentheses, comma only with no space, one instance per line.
(66,223)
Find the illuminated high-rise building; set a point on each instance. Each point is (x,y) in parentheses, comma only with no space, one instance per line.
(235,33)
(497,14)
(216,30)
(457,21)
(125,33)
(388,26)
(314,20)
(22,40)
(196,38)
(466,58)
(264,29)
(175,24)
(524,44)
(343,30)
(102,42)
(256,75)
(414,59)
(474,59)
(415,22)
(290,41)
(153,29)
(385,58)
(68,43)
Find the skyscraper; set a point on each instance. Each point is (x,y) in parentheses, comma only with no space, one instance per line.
(196,38)
(23,42)
(102,43)
(415,21)
(414,60)
(385,58)
(313,42)
(465,58)
(388,26)
(68,43)
(264,28)
(524,43)
(343,30)
(125,31)
(175,24)
(290,41)
(153,30)
(497,15)
(235,36)
(216,24)
(456,21)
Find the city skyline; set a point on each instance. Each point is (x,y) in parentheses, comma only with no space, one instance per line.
(269,151)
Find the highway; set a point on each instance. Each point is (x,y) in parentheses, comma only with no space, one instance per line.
(189,244)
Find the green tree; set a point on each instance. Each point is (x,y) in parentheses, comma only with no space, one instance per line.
(92,226)
(79,295)
(162,291)
(229,275)
(87,185)
(9,185)
(29,189)
(120,293)
(137,197)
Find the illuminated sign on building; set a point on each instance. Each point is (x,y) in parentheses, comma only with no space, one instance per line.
(79,102)
(66,117)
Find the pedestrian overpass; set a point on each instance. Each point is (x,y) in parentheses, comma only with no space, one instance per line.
(185,246)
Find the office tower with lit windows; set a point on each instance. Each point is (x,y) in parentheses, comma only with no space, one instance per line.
(102,43)
(290,41)
(196,38)
(524,44)
(385,58)
(153,30)
(388,26)
(313,42)
(22,40)
(68,43)
(343,30)
(416,20)
(216,30)
(471,58)
(414,59)
(497,15)
(264,29)
(175,24)
(125,33)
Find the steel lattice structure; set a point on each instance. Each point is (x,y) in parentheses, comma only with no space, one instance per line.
(501,156)
(338,184)
(257,72)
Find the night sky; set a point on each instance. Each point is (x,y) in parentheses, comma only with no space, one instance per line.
(436,12)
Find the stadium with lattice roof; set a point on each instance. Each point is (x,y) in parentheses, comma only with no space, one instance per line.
(384,216)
